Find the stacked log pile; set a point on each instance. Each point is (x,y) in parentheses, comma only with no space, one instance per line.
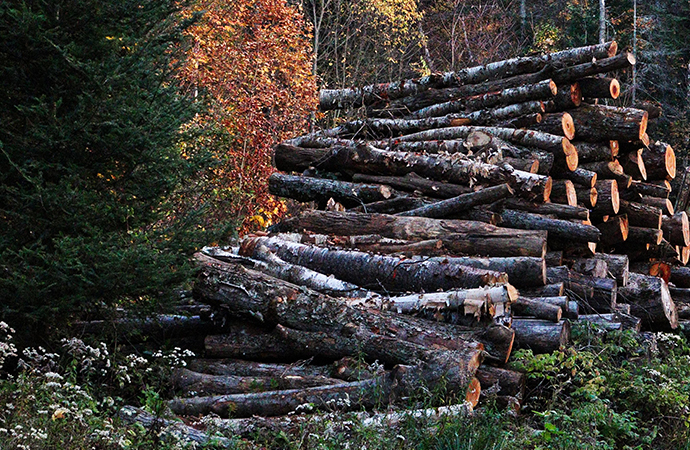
(465,215)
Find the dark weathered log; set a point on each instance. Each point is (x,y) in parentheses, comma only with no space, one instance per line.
(608,200)
(479,214)
(683,197)
(642,235)
(530,164)
(595,123)
(592,267)
(413,182)
(393,206)
(386,246)
(680,276)
(159,327)
(588,197)
(650,300)
(524,306)
(189,381)
(355,97)
(555,209)
(459,237)
(593,294)
(525,121)
(554,258)
(558,123)
(617,266)
(623,308)
(541,336)
(243,368)
(606,169)
(550,290)
(306,189)
(580,176)
(663,204)
(660,161)
(508,382)
(563,192)
(591,152)
(596,87)
(640,215)
(538,91)
(439,167)
(614,321)
(633,164)
(455,205)
(654,190)
(557,228)
(569,96)
(250,341)
(375,271)
(449,146)
(614,231)
(676,229)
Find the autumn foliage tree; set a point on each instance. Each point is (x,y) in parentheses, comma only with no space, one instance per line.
(251,60)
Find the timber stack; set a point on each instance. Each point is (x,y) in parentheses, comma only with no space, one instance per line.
(460,216)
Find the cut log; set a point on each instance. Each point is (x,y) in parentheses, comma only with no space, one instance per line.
(605,169)
(595,123)
(376,272)
(593,294)
(135,330)
(541,336)
(676,229)
(462,202)
(530,165)
(623,308)
(680,276)
(559,123)
(660,161)
(306,189)
(392,206)
(413,182)
(633,164)
(242,368)
(559,229)
(524,306)
(538,91)
(683,197)
(525,121)
(608,200)
(550,290)
(580,176)
(590,152)
(560,211)
(653,190)
(450,146)
(355,97)
(614,231)
(640,215)
(617,265)
(188,382)
(554,258)
(650,300)
(563,192)
(596,87)
(663,204)
(508,382)
(614,321)
(588,197)
(568,97)
(459,237)
(592,267)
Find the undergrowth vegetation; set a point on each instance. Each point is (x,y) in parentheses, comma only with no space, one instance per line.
(618,390)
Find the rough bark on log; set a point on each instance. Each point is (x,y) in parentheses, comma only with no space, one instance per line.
(568,97)
(588,197)
(525,121)
(618,266)
(162,326)
(509,382)
(306,189)
(650,189)
(559,123)
(563,192)
(554,258)
(393,206)
(676,229)
(680,276)
(541,336)
(592,267)
(633,164)
(375,271)
(650,300)
(595,123)
(460,237)
(413,182)
(640,215)
(590,152)
(663,204)
(614,321)
(683,197)
(189,381)
(560,211)
(596,87)
(614,231)
(606,169)
(550,290)
(524,306)
(243,368)
(580,176)
(448,207)
(593,294)
(562,302)
(562,229)
(660,161)
(608,199)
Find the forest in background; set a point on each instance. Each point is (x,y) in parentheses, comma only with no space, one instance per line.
(134,133)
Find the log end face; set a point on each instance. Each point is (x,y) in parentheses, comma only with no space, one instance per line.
(548,185)
(572,159)
(615,89)
(553,87)
(613,49)
(474,390)
(568,126)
